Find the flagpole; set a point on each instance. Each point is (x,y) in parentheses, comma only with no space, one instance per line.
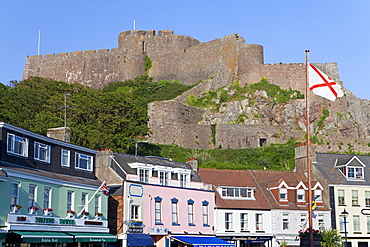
(90,199)
(308,152)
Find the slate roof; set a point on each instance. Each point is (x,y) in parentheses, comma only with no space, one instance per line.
(237,178)
(52,175)
(325,163)
(125,159)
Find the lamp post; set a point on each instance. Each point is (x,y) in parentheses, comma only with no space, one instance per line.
(344,214)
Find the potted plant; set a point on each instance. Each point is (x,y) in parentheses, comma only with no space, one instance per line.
(71,213)
(33,209)
(136,223)
(47,211)
(16,208)
(305,237)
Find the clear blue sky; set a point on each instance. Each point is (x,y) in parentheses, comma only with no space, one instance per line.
(333,30)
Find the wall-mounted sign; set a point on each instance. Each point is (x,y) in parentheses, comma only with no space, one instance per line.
(158,230)
(135,230)
(136,190)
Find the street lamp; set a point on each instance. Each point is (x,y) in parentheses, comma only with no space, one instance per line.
(345,214)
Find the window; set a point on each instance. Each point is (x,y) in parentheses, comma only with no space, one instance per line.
(84,162)
(84,200)
(70,200)
(341,223)
(244,222)
(354,197)
(97,203)
(205,213)
(341,197)
(191,212)
(367,198)
(283,194)
(183,180)
(31,195)
(239,193)
(368,224)
(144,175)
(135,212)
(17,145)
(164,178)
(318,195)
(320,219)
(65,160)
(14,193)
(300,195)
(158,210)
(228,221)
(355,172)
(356,223)
(174,202)
(303,221)
(47,197)
(285,221)
(42,152)
(259,222)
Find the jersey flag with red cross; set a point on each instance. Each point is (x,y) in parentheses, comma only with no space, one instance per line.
(322,85)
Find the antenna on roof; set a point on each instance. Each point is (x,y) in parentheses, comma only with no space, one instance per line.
(134,24)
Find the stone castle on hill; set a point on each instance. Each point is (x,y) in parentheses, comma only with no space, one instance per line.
(216,63)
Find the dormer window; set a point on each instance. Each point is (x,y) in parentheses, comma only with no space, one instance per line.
(301,195)
(237,193)
(318,195)
(351,168)
(144,175)
(144,171)
(283,194)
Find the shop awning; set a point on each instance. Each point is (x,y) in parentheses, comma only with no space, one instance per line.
(203,241)
(93,237)
(40,237)
(139,239)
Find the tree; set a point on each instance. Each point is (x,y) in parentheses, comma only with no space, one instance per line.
(331,238)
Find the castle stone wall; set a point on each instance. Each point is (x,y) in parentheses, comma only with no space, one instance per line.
(91,68)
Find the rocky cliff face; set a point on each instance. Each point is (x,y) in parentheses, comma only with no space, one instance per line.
(340,126)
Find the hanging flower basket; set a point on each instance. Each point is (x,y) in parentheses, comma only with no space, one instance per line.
(47,211)
(71,213)
(33,209)
(85,213)
(15,208)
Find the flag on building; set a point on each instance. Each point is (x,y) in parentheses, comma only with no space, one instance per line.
(105,189)
(314,206)
(322,85)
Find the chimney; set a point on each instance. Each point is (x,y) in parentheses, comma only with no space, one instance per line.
(60,133)
(301,157)
(194,164)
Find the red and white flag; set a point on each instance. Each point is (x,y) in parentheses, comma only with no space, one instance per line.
(322,85)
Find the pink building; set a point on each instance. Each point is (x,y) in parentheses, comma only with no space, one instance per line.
(158,202)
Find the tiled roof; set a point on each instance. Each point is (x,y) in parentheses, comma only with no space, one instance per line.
(267,179)
(237,178)
(125,159)
(52,175)
(325,164)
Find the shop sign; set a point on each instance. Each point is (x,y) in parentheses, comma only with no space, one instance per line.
(248,239)
(67,222)
(49,240)
(135,230)
(42,220)
(158,230)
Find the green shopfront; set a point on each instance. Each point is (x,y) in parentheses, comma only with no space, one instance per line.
(45,231)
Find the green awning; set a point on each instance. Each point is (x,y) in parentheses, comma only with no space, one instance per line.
(93,237)
(41,237)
